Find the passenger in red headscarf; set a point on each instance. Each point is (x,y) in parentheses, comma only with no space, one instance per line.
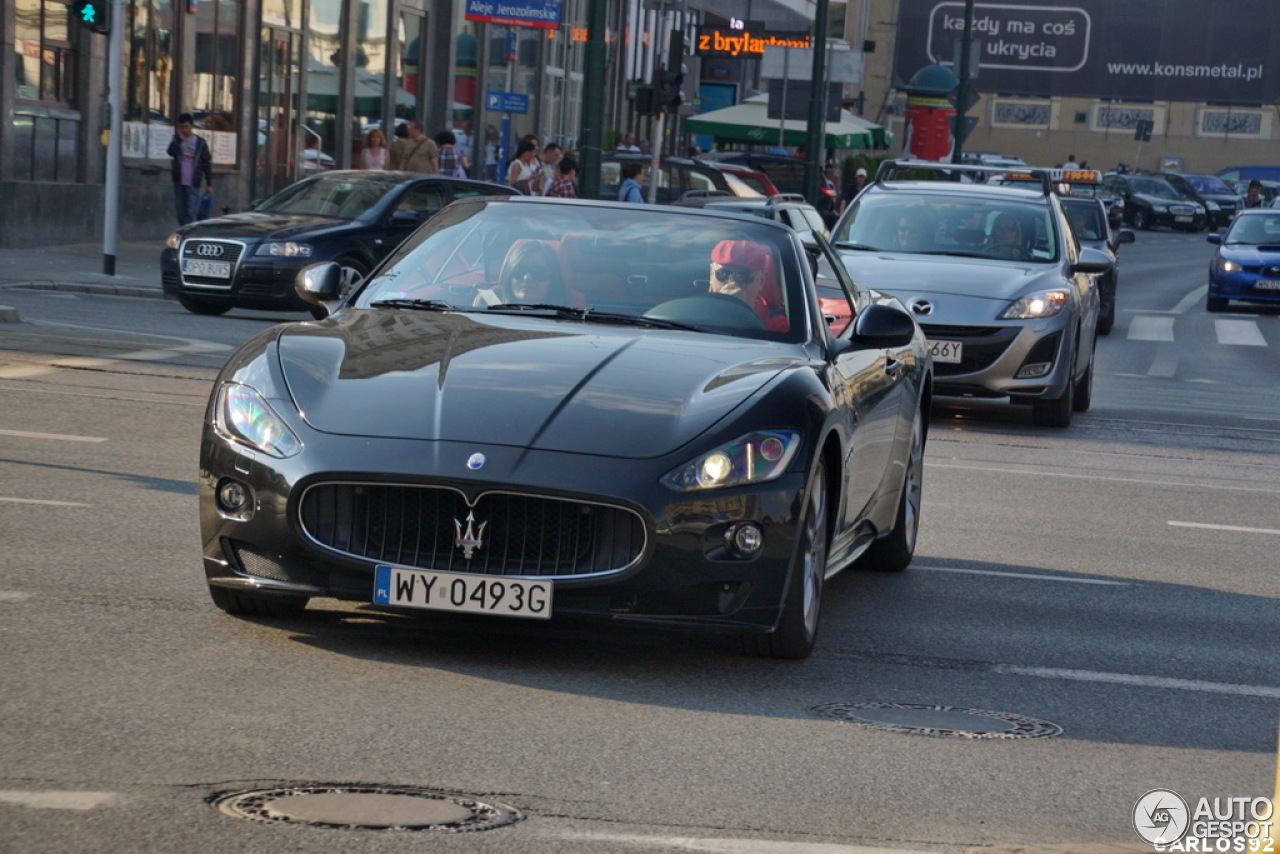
(744,269)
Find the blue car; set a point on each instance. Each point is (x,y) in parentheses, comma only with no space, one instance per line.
(1247,263)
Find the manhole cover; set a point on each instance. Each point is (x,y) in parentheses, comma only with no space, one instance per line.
(367,808)
(921,719)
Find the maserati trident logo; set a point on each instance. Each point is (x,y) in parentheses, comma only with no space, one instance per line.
(470,539)
(208,250)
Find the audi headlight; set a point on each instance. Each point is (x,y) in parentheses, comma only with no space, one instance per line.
(285,249)
(172,241)
(1226,266)
(1160,207)
(243,415)
(754,458)
(1213,206)
(1042,304)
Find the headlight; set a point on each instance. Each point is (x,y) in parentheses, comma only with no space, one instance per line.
(1159,207)
(1225,266)
(286,249)
(1043,304)
(1213,206)
(245,416)
(172,241)
(754,458)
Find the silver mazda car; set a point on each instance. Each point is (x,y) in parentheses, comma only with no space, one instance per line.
(1007,301)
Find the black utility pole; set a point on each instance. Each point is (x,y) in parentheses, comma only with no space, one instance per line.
(962,92)
(816,144)
(593,85)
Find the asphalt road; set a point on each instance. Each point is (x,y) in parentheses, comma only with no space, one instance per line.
(1116,579)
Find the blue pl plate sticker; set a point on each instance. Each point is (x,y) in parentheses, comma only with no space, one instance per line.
(382,585)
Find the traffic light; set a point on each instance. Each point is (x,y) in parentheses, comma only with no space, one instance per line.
(94,15)
(669,83)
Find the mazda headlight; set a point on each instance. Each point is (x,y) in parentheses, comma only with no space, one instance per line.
(1042,304)
(1226,266)
(754,458)
(285,249)
(241,414)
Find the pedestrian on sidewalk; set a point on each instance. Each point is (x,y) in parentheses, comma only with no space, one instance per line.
(192,168)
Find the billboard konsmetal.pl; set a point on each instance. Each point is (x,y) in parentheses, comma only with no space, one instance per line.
(1140,50)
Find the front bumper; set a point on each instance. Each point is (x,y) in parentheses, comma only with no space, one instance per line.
(1242,286)
(683,574)
(257,282)
(1027,361)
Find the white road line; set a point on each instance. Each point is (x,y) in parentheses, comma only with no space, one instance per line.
(1029,575)
(1148,328)
(58,800)
(1196,296)
(1265,691)
(62,437)
(1239,332)
(1225,528)
(1114,479)
(47,503)
(14,596)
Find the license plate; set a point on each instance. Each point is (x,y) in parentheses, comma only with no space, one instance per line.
(461,593)
(1182,219)
(946,351)
(1267,285)
(208,269)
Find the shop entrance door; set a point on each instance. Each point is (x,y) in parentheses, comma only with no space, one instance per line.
(278,100)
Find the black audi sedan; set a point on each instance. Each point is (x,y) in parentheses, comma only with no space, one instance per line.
(540,407)
(354,218)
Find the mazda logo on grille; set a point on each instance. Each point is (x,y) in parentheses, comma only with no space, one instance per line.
(921,306)
(208,250)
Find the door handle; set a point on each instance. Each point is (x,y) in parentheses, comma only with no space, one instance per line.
(892,365)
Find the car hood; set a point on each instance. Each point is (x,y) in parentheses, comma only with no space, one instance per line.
(520,381)
(255,225)
(907,276)
(1251,254)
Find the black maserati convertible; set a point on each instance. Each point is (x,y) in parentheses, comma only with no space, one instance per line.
(543,407)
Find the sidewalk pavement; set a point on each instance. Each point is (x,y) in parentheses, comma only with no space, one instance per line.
(80,267)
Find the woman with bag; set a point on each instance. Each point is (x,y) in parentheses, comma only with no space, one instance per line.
(524,168)
(453,161)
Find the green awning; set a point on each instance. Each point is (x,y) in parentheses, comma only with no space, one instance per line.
(748,122)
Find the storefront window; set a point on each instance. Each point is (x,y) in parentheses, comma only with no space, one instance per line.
(216,80)
(148,56)
(45,63)
(324,45)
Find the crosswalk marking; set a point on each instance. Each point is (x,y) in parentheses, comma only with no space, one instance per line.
(1242,332)
(1147,328)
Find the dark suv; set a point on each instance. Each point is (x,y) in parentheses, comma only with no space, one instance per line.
(1150,200)
(1220,200)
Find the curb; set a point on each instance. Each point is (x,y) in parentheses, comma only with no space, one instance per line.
(83,288)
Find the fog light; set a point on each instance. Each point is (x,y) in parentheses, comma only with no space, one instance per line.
(233,497)
(745,538)
(1038,369)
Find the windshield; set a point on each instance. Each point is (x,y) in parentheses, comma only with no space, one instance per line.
(1254,230)
(638,265)
(1210,184)
(1155,187)
(949,225)
(328,195)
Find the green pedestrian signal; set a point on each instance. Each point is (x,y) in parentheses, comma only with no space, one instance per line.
(93,15)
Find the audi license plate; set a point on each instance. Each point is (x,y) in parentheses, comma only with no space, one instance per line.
(1267,284)
(208,269)
(459,592)
(947,352)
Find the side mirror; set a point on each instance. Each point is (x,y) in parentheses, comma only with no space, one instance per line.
(1125,235)
(881,325)
(1092,261)
(1215,238)
(319,284)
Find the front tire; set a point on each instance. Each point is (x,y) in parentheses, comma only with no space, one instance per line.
(1083,395)
(893,553)
(1141,219)
(1056,412)
(353,271)
(797,630)
(195,305)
